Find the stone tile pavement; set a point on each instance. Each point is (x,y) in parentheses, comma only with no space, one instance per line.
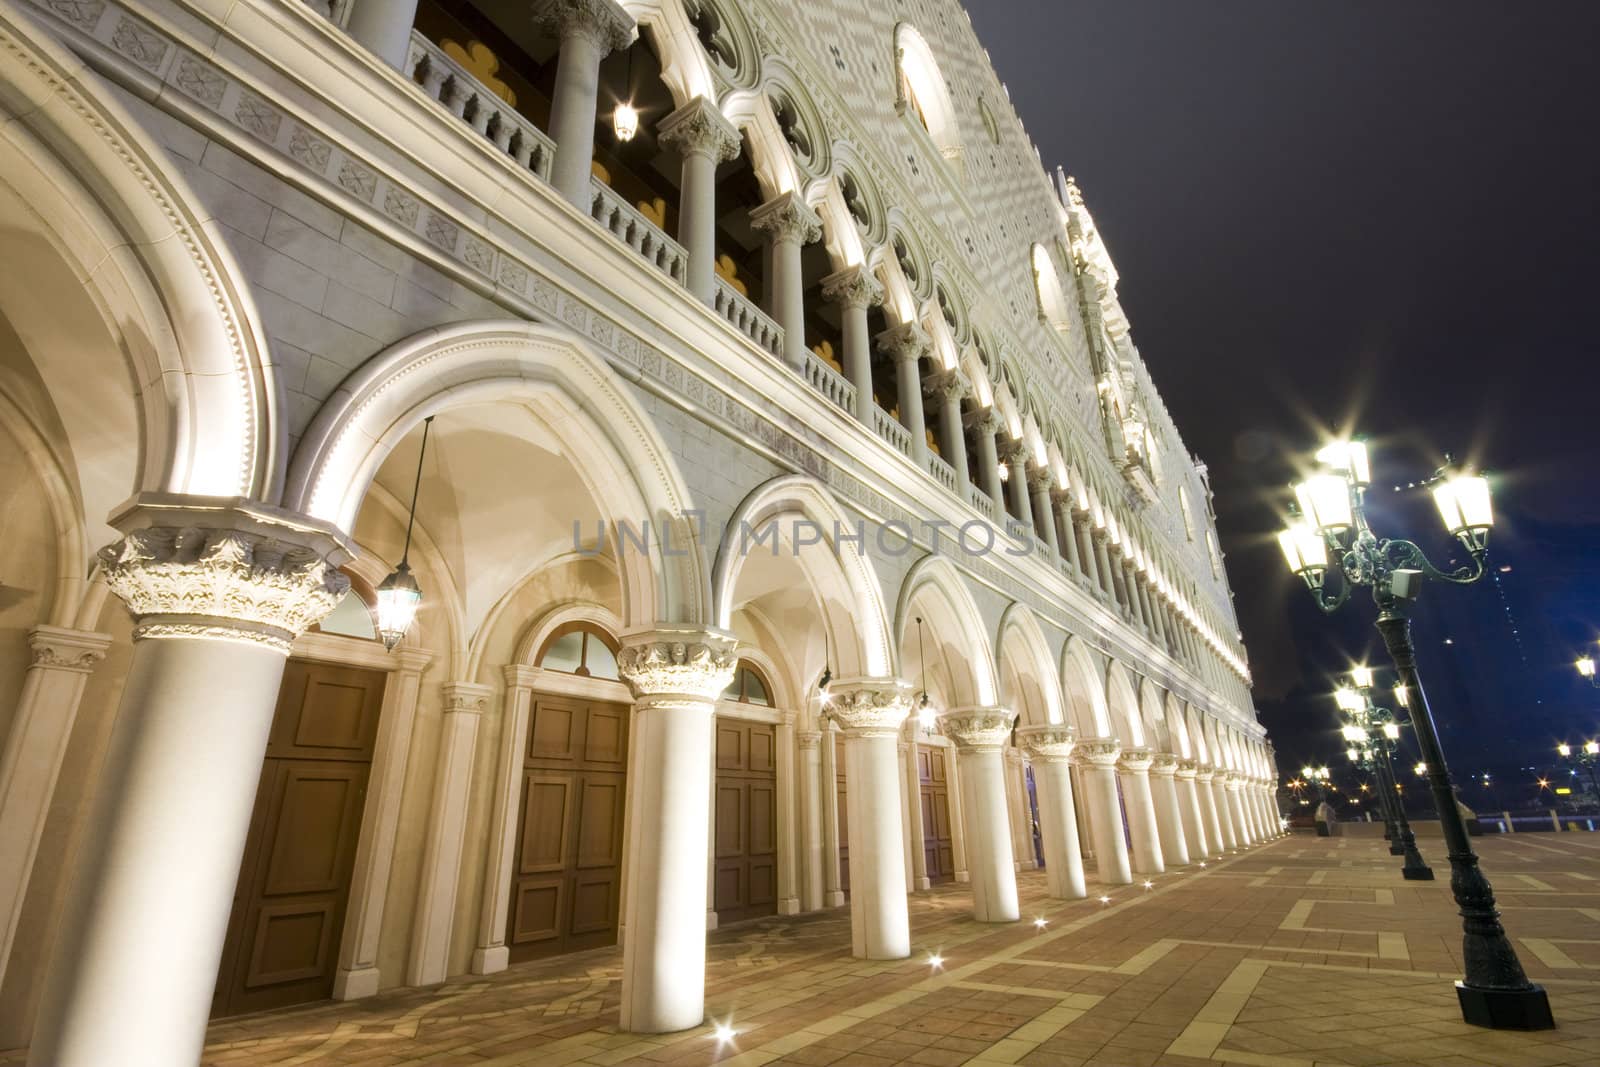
(1298,952)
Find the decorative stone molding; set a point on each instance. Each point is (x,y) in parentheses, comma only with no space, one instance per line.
(698,128)
(853,287)
(1188,769)
(1163,764)
(603,22)
(1047,744)
(1040,478)
(947,385)
(1135,759)
(809,740)
(1204,772)
(973,729)
(787,218)
(1013,451)
(671,667)
(1099,751)
(466,698)
(906,342)
(262,585)
(984,420)
(57,648)
(869,707)
(1232,782)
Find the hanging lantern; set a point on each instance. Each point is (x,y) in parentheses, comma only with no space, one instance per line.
(625,121)
(399,596)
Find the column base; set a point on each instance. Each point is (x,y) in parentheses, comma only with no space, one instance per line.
(963,877)
(924,883)
(789,906)
(1505,1009)
(355,984)
(490,960)
(711,919)
(833,898)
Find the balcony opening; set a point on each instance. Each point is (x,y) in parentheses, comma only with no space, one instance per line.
(741,249)
(500,48)
(884,384)
(824,324)
(643,172)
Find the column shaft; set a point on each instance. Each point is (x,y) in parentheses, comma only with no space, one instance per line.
(988,830)
(1044,518)
(1017,489)
(1049,748)
(1194,831)
(1140,806)
(1219,794)
(880,922)
(572,116)
(908,386)
(989,468)
(1169,822)
(832,878)
(811,792)
(384,28)
(1105,811)
(953,437)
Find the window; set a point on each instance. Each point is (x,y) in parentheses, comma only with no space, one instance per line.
(351,617)
(924,95)
(1188,516)
(1213,555)
(749,687)
(577,648)
(1053,310)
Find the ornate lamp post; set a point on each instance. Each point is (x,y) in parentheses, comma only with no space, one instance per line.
(1333,536)
(1373,729)
(1585,756)
(1317,776)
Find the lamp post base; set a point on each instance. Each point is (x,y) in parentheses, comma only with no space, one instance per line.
(1396,848)
(1417,874)
(1505,1009)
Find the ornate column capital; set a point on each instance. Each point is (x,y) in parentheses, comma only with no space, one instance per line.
(787,218)
(1040,478)
(698,128)
(1232,782)
(1135,759)
(466,698)
(809,740)
(57,648)
(1012,450)
(906,342)
(1188,769)
(852,287)
(975,729)
(869,707)
(1204,772)
(684,667)
(1097,751)
(224,570)
(1047,744)
(1163,764)
(984,420)
(947,385)
(603,22)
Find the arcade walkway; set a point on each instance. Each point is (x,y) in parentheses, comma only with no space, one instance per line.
(1297,952)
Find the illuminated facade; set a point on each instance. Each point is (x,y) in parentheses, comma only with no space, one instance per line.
(799,525)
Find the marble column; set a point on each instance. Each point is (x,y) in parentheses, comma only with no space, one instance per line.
(985,425)
(916,833)
(1219,795)
(675,675)
(1216,841)
(1049,750)
(1169,821)
(811,793)
(384,28)
(1083,527)
(1241,829)
(1039,482)
(1194,827)
(789,225)
(1133,770)
(60,664)
(589,30)
(1097,763)
(1020,815)
(219,595)
(1102,559)
(946,389)
(705,139)
(1066,534)
(906,344)
(1014,454)
(1131,590)
(871,711)
(788,816)
(855,290)
(832,879)
(904,761)
(979,735)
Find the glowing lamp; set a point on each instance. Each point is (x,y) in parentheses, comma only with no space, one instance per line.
(1563,750)
(1349,460)
(1402,696)
(625,121)
(1354,733)
(1463,503)
(1362,677)
(1391,730)
(927,715)
(1348,699)
(1421,769)
(1591,748)
(1304,551)
(399,596)
(1585,666)
(1353,754)
(1325,502)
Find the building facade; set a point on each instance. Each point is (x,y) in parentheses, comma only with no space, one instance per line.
(796,522)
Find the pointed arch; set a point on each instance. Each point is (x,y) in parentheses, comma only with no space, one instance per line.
(1123,704)
(1084,689)
(1178,728)
(1020,646)
(1152,717)
(935,578)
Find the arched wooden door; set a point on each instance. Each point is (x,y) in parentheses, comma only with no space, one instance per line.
(745,878)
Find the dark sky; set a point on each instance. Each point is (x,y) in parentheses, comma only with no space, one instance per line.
(1370,214)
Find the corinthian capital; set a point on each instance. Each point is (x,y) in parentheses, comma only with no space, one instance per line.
(869,707)
(602,22)
(1097,751)
(264,584)
(1040,478)
(984,420)
(977,728)
(1135,759)
(787,218)
(1012,450)
(1163,764)
(947,385)
(853,287)
(698,127)
(905,342)
(1188,768)
(671,667)
(1047,744)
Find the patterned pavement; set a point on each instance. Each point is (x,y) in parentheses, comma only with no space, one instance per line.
(1298,952)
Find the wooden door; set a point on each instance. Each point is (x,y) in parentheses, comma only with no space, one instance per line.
(844,821)
(566,880)
(745,861)
(289,903)
(938,846)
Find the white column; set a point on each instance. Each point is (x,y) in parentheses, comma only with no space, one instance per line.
(433,919)
(1044,520)
(1169,823)
(384,28)
(1219,796)
(811,792)
(958,832)
(1216,842)
(1241,830)
(904,761)
(1013,453)
(855,290)
(946,390)
(871,711)
(789,225)
(1066,532)
(676,676)
(1102,559)
(906,344)
(788,820)
(832,879)
(1133,769)
(979,735)
(704,138)
(588,30)
(1097,762)
(984,427)
(916,832)
(357,973)
(491,954)
(1049,750)
(152,895)
(1017,809)
(47,707)
(711,827)
(1194,826)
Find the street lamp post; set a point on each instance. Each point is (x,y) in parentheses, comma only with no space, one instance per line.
(1374,728)
(1585,756)
(1333,535)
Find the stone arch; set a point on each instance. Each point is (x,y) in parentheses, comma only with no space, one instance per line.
(936,578)
(613,444)
(1023,654)
(1152,717)
(924,91)
(67,533)
(1197,734)
(536,633)
(122,272)
(1123,703)
(686,68)
(849,161)
(1177,728)
(785,91)
(1052,299)
(844,581)
(1084,690)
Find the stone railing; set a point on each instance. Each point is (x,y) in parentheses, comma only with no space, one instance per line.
(829,382)
(981,501)
(637,232)
(469,100)
(942,472)
(890,430)
(747,318)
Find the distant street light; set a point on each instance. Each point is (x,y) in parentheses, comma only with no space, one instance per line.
(1330,534)
(1371,729)
(1585,667)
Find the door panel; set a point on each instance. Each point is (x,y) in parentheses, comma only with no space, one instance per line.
(294,879)
(844,820)
(744,880)
(938,847)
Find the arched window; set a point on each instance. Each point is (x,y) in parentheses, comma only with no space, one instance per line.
(355,614)
(1213,555)
(578,648)
(924,94)
(1188,516)
(749,687)
(1052,298)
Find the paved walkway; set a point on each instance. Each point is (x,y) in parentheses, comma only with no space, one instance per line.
(1302,951)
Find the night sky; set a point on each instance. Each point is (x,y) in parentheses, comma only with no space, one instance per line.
(1371,215)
